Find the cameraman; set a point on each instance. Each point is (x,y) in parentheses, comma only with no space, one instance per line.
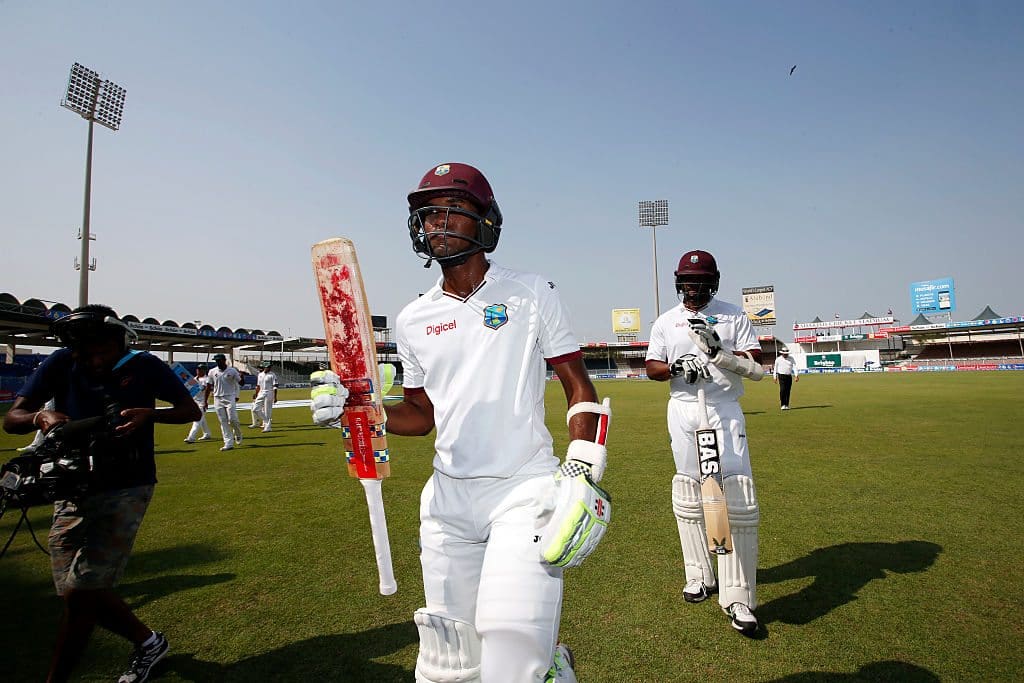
(91,537)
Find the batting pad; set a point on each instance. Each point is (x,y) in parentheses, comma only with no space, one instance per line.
(738,570)
(686,505)
(449,649)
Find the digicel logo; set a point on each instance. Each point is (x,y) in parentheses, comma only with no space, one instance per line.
(439,328)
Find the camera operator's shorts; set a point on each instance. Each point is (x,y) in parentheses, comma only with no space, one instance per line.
(91,540)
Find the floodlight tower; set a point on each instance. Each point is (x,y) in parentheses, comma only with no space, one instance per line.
(100,102)
(653,214)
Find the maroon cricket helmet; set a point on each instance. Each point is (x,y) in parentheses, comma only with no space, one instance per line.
(697,267)
(453,179)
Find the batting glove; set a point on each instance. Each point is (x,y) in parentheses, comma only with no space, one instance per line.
(690,368)
(328,398)
(577,522)
(706,339)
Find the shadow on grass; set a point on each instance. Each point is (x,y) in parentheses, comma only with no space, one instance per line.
(250,444)
(876,671)
(339,657)
(824,405)
(143,592)
(839,572)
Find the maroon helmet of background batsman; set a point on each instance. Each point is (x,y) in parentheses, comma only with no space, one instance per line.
(697,267)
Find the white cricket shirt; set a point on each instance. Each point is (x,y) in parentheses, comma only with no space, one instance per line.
(785,366)
(226,382)
(266,381)
(203,382)
(481,363)
(670,340)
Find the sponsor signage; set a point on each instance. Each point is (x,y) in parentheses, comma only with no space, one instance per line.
(932,296)
(759,304)
(862,322)
(625,320)
(824,360)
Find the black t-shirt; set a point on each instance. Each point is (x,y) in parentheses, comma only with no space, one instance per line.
(136,382)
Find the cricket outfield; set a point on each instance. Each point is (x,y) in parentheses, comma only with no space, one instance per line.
(891,532)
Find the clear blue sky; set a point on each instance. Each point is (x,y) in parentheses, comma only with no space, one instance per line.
(894,153)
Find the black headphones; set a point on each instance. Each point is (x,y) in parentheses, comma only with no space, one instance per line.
(92,323)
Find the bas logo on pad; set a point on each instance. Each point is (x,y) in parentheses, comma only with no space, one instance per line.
(495,316)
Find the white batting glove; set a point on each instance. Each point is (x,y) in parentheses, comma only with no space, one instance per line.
(328,398)
(577,522)
(706,339)
(690,368)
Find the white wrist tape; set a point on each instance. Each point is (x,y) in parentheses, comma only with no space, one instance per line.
(745,367)
(592,453)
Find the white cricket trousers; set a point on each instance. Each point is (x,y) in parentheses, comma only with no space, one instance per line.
(199,426)
(262,409)
(227,415)
(481,564)
(726,418)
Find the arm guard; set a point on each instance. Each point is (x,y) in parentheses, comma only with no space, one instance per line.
(744,367)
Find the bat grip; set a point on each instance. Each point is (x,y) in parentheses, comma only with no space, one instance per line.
(379,532)
(702,405)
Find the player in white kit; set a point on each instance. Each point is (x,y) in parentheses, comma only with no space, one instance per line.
(202,400)
(473,349)
(266,396)
(225,383)
(707,340)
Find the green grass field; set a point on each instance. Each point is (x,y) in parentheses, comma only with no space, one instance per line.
(891,537)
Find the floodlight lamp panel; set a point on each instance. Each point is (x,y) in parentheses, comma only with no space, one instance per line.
(653,213)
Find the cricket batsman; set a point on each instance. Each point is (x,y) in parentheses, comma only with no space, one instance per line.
(707,340)
(501,517)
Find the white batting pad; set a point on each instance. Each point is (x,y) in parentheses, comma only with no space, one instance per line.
(692,536)
(738,570)
(449,649)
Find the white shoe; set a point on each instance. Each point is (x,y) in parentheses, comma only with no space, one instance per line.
(785,407)
(204,438)
(696,591)
(226,448)
(238,440)
(189,441)
(743,620)
(26,449)
(266,429)
(561,670)
(253,426)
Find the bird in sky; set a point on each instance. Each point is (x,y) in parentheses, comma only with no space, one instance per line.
(792,70)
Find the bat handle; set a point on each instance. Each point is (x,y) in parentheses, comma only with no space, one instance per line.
(702,405)
(379,531)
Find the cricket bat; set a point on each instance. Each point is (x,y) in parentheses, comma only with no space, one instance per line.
(352,349)
(712,491)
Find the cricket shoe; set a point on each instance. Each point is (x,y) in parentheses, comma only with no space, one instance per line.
(26,449)
(189,441)
(266,429)
(561,670)
(204,438)
(743,620)
(696,591)
(785,407)
(227,448)
(144,659)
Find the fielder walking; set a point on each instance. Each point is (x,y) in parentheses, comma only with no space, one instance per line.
(785,375)
(266,396)
(493,515)
(225,383)
(203,401)
(707,340)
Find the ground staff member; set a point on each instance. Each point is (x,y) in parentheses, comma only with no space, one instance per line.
(91,537)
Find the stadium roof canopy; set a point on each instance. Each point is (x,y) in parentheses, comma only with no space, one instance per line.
(987,314)
(27,323)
